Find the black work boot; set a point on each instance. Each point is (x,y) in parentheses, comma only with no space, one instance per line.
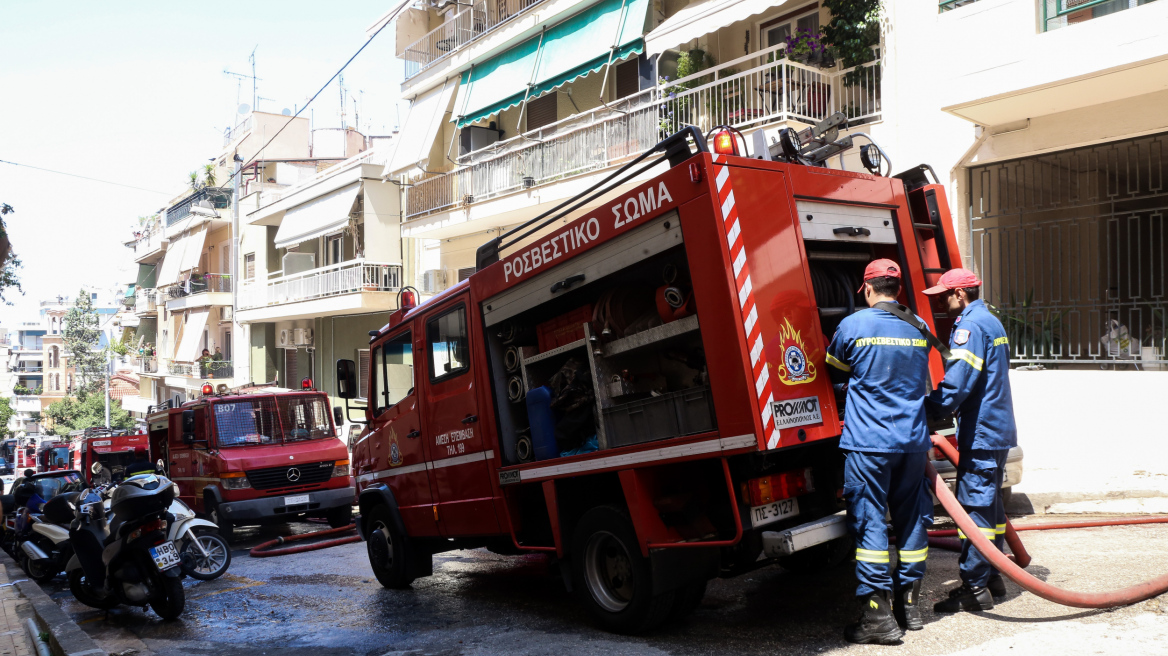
(966,597)
(876,625)
(997,585)
(906,609)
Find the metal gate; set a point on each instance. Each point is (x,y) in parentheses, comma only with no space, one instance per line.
(1072,250)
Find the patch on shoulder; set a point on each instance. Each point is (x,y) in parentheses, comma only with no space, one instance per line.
(960,336)
(957,320)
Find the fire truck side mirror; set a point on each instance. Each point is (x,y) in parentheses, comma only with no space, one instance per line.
(346,379)
(338,416)
(188,426)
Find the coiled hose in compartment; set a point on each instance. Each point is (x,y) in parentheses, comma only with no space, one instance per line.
(835,288)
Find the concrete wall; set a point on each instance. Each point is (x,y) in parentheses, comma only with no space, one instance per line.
(263,352)
(340,338)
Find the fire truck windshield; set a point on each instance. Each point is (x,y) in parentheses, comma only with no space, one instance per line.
(265,421)
(59,456)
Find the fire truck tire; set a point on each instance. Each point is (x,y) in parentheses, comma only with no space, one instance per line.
(615,581)
(226,526)
(388,550)
(338,517)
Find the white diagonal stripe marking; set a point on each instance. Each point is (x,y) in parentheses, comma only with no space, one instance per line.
(732,236)
(739,261)
(751,318)
(744,292)
(727,205)
(756,351)
(723,175)
(762,381)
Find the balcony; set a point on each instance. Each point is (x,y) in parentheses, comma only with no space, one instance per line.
(149,244)
(145,365)
(231,134)
(210,370)
(145,302)
(781,91)
(465,27)
(218,197)
(27,369)
(335,289)
(202,290)
(26,403)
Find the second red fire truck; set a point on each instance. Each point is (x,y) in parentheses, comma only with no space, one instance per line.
(640,390)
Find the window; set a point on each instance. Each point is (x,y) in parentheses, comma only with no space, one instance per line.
(628,78)
(393,378)
(447,340)
(776,31)
(334,251)
(363,373)
(249,266)
(227,345)
(542,111)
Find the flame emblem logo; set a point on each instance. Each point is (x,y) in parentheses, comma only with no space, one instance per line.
(395,455)
(795,368)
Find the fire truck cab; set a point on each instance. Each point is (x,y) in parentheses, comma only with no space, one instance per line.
(115,450)
(256,458)
(640,389)
(55,455)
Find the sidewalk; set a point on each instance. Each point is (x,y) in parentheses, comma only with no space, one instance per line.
(1094,441)
(14,637)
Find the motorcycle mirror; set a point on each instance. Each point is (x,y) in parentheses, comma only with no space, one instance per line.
(96,468)
(160,465)
(338,416)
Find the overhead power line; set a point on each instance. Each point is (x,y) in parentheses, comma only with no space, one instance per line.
(388,20)
(85,177)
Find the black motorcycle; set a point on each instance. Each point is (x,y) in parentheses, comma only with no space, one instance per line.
(125,557)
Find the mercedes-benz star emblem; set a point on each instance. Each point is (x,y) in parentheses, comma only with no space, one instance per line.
(293,474)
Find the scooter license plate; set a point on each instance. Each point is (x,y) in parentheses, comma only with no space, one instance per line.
(165,556)
(773,512)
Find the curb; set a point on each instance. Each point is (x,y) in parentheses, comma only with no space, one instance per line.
(1041,503)
(67,639)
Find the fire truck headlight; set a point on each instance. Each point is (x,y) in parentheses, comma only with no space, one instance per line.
(341,468)
(234,481)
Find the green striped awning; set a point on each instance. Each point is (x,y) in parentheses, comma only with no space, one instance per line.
(563,53)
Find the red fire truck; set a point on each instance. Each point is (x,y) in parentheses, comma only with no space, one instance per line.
(18,457)
(55,455)
(113,449)
(255,457)
(640,389)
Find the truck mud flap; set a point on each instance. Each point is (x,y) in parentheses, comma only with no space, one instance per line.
(676,567)
(776,544)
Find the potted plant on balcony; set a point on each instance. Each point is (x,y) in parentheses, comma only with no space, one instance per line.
(807,47)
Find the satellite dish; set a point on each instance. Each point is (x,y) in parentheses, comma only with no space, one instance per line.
(244,108)
(286,112)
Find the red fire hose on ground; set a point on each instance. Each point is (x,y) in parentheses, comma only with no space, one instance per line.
(263,550)
(1006,566)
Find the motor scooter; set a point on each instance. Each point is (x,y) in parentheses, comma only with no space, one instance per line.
(126,556)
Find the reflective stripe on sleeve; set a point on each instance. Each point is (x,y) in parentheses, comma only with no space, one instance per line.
(915,556)
(1001,529)
(968,357)
(870,556)
(836,363)
(988,532)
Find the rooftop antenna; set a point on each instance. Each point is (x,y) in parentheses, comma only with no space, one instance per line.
(263,98)
(240,77)
(253,75)
(341,87)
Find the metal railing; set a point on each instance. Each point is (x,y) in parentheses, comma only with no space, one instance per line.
(949,5)
(1060,13)
(464,27)
(200,283)
(231,134)
(333,280)
(23,369)
(1070,247)
(218,197)
(147,365)
(145,300)
(207,369)
(773,92)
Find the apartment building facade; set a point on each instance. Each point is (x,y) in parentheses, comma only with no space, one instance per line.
(1052,159)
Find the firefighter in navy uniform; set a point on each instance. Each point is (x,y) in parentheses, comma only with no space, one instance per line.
(977,388)
(885,441)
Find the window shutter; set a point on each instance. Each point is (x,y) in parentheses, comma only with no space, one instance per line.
(249,267)
(542,111)
(465,273)
(363,373)
(291,380)
(628,79)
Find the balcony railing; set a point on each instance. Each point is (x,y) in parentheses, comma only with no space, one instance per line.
(209,369)
(774,92)
(219,197)
(334,280)
(204,283)
(231,134)
(466,26)
(22,369)
(145,300)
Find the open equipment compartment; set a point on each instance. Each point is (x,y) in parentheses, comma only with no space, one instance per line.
(628,320)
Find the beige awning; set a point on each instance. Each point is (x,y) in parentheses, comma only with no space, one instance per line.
(426,116)
(182,256)
(318,217)
(700,19)
(192,336)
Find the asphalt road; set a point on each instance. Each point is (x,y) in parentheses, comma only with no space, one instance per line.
(327,602)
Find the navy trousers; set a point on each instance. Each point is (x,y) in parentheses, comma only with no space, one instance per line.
(876,484)
(979,485)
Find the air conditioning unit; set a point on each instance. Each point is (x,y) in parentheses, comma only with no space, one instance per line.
(303,336)
(285,339)
(433,280)
(225,313)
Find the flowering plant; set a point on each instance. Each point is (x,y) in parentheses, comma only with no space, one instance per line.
(806,46)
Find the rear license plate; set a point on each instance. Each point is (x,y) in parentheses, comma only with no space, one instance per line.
(298,500)
(773,512)
(165,555)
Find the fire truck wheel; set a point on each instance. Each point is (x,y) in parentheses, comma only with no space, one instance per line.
(338,517)
(387,550)
(614,579)
(226,526)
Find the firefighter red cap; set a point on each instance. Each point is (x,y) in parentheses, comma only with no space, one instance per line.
(881,268)
(954,279)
